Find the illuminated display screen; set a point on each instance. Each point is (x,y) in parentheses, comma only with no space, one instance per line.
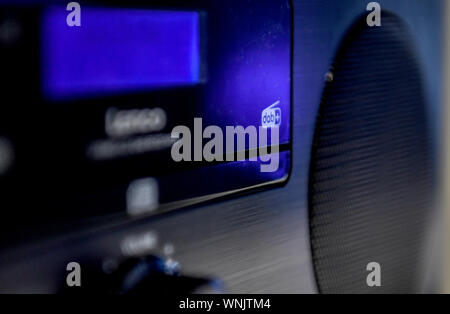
(118,51)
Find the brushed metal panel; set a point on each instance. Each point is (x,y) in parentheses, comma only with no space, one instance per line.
(257,243)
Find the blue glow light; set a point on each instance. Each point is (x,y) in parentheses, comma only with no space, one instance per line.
(117,51)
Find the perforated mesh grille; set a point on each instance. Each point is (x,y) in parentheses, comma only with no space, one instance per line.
(371,169)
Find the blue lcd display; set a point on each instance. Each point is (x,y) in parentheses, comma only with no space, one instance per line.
(118,51)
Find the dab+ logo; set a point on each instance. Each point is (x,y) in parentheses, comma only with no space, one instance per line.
(271,116)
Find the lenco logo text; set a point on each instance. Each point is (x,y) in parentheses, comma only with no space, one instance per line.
(120,123)
(271,116)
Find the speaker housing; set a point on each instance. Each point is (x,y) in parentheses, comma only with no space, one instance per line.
(258,243)
(371,177)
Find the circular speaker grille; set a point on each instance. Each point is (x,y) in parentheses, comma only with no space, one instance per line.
(371,170)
